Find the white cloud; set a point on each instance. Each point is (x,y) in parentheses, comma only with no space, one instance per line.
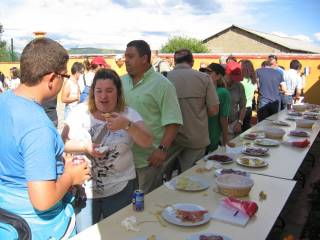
(113,23)
(317,36)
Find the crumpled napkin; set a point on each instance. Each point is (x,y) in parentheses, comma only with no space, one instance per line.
(245,206)
(298,143)
(130,223)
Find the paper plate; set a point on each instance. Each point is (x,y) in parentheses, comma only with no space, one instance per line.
(222,158)
(190,183)
(169,214)
(196,236)
(267,142)
(253,162)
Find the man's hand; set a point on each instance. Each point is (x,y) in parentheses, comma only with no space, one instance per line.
(237,128)
(157,158)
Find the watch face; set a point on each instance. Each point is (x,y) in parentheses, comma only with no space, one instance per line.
(162,148)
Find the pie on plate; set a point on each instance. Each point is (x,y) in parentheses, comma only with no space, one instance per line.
(267,142)
(255,151)
(253,162)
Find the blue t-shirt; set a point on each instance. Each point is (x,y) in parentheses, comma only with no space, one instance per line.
(31,150)
(31,147)
(269,80)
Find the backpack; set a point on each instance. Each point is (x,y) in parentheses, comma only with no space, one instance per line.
(85,93)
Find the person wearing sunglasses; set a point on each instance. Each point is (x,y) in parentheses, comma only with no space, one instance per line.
(34,178)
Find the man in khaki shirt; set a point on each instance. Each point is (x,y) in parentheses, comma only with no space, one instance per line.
(198,100)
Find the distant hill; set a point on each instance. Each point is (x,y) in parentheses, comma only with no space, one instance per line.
(92,51)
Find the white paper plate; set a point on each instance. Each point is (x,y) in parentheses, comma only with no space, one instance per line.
(267,142)
(295,133)
(244,173)
(252,153)
(169,214)
(280,123)
(190,183)
(254,135)
(252,162)
(207,234)
(207,157)
(296,114)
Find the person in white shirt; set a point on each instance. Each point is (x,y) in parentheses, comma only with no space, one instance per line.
(105,129)
(293,83)
(14,81)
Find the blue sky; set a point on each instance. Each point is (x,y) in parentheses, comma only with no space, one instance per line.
(113,23)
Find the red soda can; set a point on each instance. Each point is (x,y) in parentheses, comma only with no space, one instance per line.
(138,200)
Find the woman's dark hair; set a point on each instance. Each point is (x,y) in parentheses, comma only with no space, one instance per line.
(102,75)
(295,64)
(248,71)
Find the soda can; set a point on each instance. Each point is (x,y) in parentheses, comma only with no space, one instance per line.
(138,200)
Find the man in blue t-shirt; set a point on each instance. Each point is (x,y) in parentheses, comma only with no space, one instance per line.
(269,82)
(33,178)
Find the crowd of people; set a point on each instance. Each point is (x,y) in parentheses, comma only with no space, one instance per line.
(120,133)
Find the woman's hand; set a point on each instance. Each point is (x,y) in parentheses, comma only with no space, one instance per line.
(92,149)
(117,121)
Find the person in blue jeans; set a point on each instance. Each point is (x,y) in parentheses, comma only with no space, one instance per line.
(34,179)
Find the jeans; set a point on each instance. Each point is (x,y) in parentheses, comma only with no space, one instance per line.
(268,109)
(247,119)
(96,209)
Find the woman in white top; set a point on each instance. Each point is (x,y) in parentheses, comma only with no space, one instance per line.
(70,91)
(14,81)
(105,121)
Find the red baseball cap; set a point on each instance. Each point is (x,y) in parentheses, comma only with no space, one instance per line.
(100,61)
(233,69)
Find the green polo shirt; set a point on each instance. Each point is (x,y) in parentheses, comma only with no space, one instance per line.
(215,129)
(155,98)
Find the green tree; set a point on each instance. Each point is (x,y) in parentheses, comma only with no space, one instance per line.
(5,53)
(178,42)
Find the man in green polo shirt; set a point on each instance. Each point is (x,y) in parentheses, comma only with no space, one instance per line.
(154,97)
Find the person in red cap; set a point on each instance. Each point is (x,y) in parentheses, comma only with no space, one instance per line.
(238,97)
(100,62)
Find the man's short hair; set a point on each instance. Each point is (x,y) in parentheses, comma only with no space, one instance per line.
(142,47)
(41,56)
(272,56)
(183,56)
(295,64)
(77,67)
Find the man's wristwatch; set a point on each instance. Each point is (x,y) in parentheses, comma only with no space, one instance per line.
(163,148)
(128,126)
(240,121)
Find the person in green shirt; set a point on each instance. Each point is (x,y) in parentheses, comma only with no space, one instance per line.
(155,98)
(218,124)
(249,83)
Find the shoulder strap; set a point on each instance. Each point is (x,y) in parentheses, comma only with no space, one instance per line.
(84,79)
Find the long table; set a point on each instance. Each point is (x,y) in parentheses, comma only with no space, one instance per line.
(284,161)
(277,190)
(275,180)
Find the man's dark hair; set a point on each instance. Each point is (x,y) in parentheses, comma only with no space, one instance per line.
(41,56)
(183,56)
(142,47)
(272,56)
(266,63)
(295,64)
